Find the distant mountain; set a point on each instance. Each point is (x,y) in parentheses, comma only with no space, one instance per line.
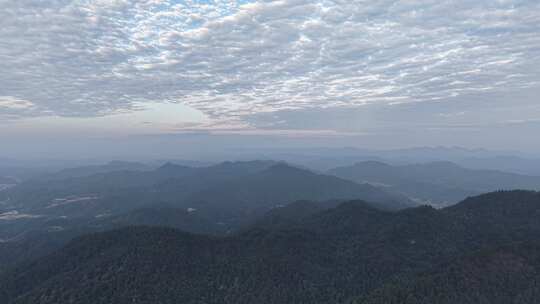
(212,200)
(122,190)
(352,252)
(437,183)
(507,163)
(255,194)
(324,159)
(183,162)
(256,184)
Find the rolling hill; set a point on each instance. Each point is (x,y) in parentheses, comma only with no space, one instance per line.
(352,252)
(41,215)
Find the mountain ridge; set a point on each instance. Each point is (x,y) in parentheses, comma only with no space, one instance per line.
(440,183)
(335,255)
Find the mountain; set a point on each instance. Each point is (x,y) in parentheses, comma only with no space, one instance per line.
(289,215)
(507,163)
(39,216)
(324,159)
(28,239)
(437,183)
(353,252)
(254,194)
(182,219)
(508,274)
(230,186)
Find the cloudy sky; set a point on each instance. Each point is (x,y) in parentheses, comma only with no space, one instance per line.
(383,73)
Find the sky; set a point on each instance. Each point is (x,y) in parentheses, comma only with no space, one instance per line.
(78,76)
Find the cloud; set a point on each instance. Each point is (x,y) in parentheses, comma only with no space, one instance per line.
(235,59)
(12,107)
(10,102)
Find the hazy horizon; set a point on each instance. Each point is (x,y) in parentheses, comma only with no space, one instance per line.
(95,78)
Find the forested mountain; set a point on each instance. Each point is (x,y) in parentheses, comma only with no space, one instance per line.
(262,184)
(349,253)
(184,187)
(39,215)
(437,183)
(289,215)
(251,195)
(508,274)
(33,238)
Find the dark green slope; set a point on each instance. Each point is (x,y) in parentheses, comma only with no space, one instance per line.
(296,265)
(38,237)
(509,274)
(352,252)
(156,265)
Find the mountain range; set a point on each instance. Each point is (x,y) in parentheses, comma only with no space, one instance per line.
(40,215)
(435,183)
(482,250)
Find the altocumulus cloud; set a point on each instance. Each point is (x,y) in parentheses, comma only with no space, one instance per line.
(232,59)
